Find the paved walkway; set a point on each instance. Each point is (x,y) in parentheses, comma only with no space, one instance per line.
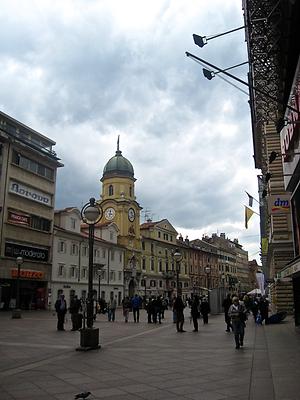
(145,361)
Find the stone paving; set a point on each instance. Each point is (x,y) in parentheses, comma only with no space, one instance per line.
(147,361)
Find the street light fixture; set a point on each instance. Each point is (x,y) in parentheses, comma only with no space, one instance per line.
(91,213)
(201,41)
(178,258)
(17,311)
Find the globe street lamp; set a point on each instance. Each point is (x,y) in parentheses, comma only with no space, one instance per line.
(178,258)
(91,213)
(17,311)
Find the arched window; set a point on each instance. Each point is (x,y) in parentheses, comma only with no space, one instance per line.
(130,191)
(110,190)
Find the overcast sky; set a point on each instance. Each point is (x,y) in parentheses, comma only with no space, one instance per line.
(83,72)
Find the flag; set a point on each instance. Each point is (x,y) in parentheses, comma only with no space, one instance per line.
(248,215)
(250,199)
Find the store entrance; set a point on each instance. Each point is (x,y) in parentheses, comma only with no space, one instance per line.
(33,295)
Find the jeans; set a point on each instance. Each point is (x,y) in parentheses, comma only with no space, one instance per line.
(136,314)
(111,314)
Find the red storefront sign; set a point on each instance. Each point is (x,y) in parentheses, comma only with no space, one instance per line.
(16,218)
(28,274)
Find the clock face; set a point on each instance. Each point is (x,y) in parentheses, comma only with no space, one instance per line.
(109,213)
(131,214)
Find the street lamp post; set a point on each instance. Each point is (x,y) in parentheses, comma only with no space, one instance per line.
(145,288)
(91,213)
(178,258)
(208,271)
(17,311)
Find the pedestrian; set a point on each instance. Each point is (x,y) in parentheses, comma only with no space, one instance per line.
(126,303)
(61,309)
(164,307)
(150,310)
(263,307)
(76,317)
(204,310)
(254,308)
(226,304)
(158,309)
(112,305)
(136,304)
(195,312)
(238,317)
(178,307)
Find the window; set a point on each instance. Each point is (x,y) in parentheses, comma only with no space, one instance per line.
(153,283)
(39,223)
(74,249)
(143,263)
(61,270)
(73,223)
(32,166)
(120,275)
(84,273)
(111,235)
(152,247)
(130,191)
(152,264)
(72,271)
(112,275)
(160,284)
(61,247)
(143,245)
(120,254)
(158,234)
(110,190)
(112,255)
(84,251)
(103,253)
(160,266)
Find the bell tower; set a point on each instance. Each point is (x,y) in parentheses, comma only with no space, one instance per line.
(119,203)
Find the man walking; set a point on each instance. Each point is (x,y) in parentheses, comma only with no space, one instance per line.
(178,307)
(76,318)
(226,304)
(238,316)
(61,309)
(112,305)
(136,303)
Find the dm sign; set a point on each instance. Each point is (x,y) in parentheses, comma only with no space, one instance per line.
(279,204)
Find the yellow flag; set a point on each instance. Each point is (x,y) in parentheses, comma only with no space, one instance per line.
(248,215)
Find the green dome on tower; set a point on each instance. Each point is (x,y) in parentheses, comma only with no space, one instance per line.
(118,165)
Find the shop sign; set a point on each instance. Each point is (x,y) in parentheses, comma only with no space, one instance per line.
(290,270)
(19,219)
(27,252)
(28,274)
(29,193)
(279,204)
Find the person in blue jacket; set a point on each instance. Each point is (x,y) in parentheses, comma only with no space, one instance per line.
(136,302)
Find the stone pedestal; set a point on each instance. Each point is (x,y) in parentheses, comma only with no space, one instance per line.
(89,339)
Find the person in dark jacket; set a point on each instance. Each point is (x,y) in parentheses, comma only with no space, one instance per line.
(263,307)
(178,307)
(195,313)
(205,310)
(226,304)
(76,317)
(61,309)
(136,304)
(237,313)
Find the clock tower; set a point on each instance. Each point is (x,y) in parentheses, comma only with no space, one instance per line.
(119,205)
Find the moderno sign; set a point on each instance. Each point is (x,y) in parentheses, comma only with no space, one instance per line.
(279,204)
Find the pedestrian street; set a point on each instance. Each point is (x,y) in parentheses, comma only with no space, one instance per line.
(147,361)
